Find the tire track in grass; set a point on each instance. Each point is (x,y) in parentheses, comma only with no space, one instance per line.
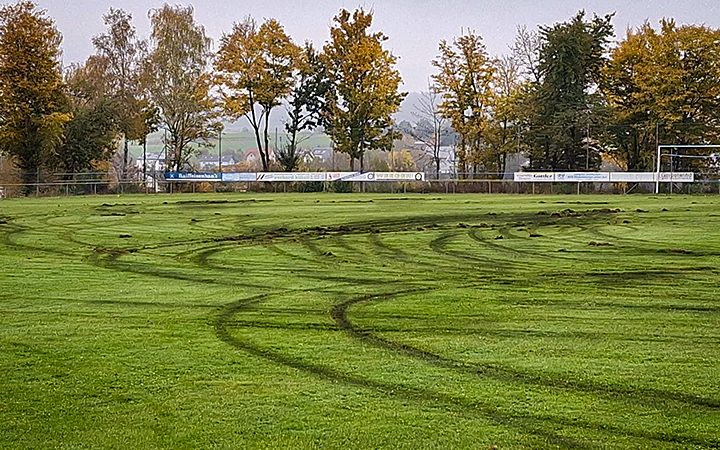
(641,396)
(525,423)
(475,236)
(440,246)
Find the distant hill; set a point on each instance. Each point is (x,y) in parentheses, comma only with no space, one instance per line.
(238,136)
(279,115)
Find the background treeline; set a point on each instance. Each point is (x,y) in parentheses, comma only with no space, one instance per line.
(566,96)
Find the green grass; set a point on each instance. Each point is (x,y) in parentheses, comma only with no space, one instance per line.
(360,321)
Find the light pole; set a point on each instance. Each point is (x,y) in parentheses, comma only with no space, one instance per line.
(220,150)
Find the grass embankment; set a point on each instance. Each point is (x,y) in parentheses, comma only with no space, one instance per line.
(360,321)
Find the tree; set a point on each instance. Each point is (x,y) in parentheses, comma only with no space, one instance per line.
(566,99)
(123,54)
(465,81)
(305,106)
(505,117)
(178,82)
(663,81)
(255,72)
(364,87)
(432,127)
(526,53)
(32,101)
(90,136)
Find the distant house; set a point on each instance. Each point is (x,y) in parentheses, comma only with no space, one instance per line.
(210,163)
(154,162)
(252,157)
(319,155)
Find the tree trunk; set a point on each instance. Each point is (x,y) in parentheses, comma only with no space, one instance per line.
(126,151)
(267,142)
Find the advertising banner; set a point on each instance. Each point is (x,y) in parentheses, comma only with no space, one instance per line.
(677,177)
(582,177)
(603,177)
(235,177)
(323,176)
(534,177)
(195,176)
(632,177)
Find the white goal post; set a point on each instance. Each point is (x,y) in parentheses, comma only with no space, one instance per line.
(660,155)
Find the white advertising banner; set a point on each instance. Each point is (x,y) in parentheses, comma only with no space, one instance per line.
(603,177)
(235,177)
(534,177)
(322,176)
(678,177)
(632,177)
(582,177)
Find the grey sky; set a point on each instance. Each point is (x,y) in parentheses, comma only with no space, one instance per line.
(414,27)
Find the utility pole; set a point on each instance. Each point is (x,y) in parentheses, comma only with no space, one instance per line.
(587,148)
(220,151)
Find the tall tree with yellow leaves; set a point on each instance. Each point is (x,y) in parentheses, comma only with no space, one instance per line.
(179,83)
(254,70)
(364,87)
(464,80)
(663,81)
(123,53)
(32,100)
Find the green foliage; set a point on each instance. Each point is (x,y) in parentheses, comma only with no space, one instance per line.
(33,109)
(363,94)
(305,105)
(90,137)
(565,101)
(178,82)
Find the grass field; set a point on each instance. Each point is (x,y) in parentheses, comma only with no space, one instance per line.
(360,321)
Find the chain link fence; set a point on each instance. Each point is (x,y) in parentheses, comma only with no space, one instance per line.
(99,183)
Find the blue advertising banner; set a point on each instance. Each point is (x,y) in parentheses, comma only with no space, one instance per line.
(194,176)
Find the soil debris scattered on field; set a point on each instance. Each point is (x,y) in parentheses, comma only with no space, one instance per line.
(599,244)
(676,251)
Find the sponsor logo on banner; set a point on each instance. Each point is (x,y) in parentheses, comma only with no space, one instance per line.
(290,176)
(400,176)
(603,177)
(235,177)
(592,177)
(632,177)
(534,177)
(300,176)
(185,176)
(678,177)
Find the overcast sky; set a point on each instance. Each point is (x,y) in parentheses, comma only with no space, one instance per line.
(414,27)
